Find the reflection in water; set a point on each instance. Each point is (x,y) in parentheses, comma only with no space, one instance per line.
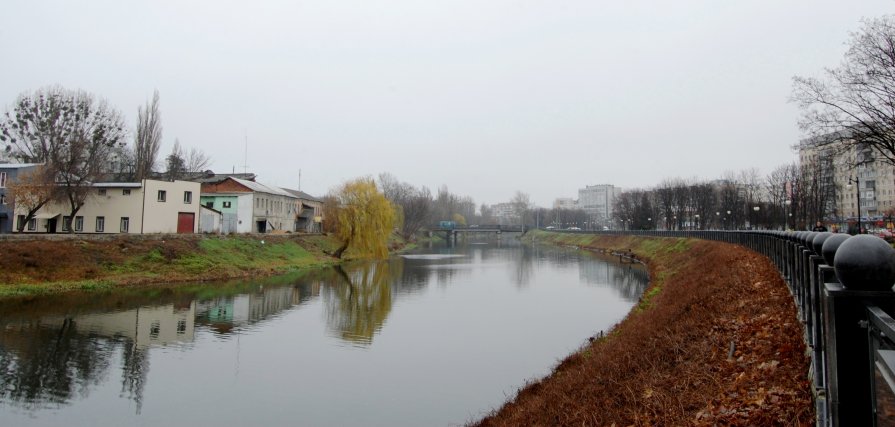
(357,307)
(46,366)
(630,280)
(54,351)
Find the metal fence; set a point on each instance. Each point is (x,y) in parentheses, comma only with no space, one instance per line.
(842,286)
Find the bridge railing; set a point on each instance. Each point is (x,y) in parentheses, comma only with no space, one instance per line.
(842,287)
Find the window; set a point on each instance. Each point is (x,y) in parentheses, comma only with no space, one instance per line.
(66,223)
(2,179)
(181,326)
(32,225)
(20,221)
(226,204)
(162,195)
(209,205)
(102,191)
(3,199)
(187,197)
(126,192)
(79,223)
(100,224)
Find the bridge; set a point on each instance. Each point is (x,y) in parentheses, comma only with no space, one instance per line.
(451,233)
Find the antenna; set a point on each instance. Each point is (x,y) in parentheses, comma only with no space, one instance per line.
(299,180)
(245,159)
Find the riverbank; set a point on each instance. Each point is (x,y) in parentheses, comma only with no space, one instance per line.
(715,340)
(41,266)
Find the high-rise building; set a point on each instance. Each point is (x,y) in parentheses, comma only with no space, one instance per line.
(597,201)
(854,180)
(565,203)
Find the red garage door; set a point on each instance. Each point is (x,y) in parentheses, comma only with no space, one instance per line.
(186,222)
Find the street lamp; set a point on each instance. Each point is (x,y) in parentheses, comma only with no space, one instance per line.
(857,182)
(755,223)
(696,222)
(785,218)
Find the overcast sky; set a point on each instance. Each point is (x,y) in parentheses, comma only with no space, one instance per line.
(486,97)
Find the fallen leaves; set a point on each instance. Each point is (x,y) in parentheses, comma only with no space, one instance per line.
(670,364)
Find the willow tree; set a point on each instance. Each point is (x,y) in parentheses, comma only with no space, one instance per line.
(365,219)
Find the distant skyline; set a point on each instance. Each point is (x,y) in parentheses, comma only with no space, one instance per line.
(488,98)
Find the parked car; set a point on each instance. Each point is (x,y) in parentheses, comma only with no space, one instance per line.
(574,229)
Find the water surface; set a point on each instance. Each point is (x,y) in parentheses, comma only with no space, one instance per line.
(437,337)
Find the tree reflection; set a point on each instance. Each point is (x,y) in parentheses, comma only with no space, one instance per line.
(45,367)
(135,372)
(629,280)
(357,307)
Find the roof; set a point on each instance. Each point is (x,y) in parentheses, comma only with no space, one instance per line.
(18,165)
(302,195)
(117,184)
(218,177)
(261,188)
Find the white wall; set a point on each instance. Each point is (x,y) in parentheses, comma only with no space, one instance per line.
(161,216)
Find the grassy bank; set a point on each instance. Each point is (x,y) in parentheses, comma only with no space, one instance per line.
(714,341)
(35,267)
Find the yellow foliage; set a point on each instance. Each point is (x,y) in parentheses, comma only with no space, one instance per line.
(459,219)
(365,218)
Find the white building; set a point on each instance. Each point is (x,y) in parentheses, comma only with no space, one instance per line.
(598,200)
(566,203)
(145,207)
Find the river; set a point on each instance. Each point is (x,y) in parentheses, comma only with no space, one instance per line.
(436,337)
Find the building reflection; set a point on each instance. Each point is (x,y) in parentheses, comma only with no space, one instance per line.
(223,314)
(56,350)
(53,358)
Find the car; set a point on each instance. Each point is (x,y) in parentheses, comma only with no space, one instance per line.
(574,229)
(550,227)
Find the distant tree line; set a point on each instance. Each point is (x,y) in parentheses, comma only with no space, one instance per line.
(792,196)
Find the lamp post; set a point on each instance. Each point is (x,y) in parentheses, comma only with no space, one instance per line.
(696,222)
(727,217)
(755,222)
(717,218)
(857,182)
(785,218)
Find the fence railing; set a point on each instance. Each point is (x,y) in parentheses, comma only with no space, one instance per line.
(842,286)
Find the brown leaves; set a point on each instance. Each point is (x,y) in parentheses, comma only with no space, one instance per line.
(668,365)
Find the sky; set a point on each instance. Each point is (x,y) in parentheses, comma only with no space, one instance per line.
(485,97)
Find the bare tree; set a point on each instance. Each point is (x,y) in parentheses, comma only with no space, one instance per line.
(855,102)
(197,160)
(31,190)
(413,206)
(70,131)
(148,139)
(521,204)
(779,187)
